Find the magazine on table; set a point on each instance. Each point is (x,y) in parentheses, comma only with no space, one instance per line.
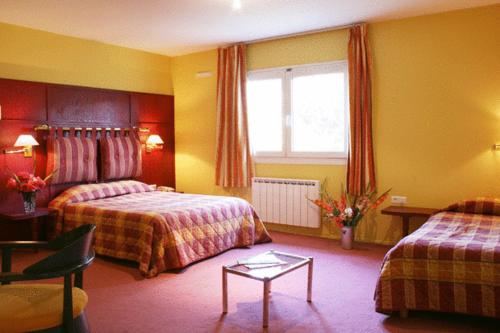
(264,260)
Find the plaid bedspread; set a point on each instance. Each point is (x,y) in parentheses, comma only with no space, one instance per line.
(159,230)
(450,264)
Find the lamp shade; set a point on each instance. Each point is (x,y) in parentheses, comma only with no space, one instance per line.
(154,139)
(25,140)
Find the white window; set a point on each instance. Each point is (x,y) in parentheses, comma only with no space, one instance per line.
(299,114)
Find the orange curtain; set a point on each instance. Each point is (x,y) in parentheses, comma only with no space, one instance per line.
(234,166)
(360,165)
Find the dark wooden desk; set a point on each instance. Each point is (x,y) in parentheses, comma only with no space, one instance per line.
(34,219)
(406,213)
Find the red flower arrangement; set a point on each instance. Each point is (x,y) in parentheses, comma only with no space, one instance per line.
(350,209)
(26,182)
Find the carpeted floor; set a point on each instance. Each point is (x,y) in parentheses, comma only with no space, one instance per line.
(190,300)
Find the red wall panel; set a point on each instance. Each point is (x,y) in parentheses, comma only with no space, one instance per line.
(150,108)
(26,104)
(87,106)
(20,100)
(159,165)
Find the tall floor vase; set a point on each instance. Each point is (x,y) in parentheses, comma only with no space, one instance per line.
(347,238)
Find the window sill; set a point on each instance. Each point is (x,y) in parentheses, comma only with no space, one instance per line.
(300,160)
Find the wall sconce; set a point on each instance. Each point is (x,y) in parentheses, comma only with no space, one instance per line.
(153,142)
(496,146)
(26,141)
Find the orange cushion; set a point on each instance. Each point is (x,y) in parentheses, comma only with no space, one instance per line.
(29,307)
(479,205)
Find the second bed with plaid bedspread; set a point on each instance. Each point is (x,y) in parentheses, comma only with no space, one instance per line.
(159,230)
(450,264)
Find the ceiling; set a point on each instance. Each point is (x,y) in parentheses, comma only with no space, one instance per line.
(175,27)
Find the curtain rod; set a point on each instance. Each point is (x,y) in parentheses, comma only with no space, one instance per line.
(308,32)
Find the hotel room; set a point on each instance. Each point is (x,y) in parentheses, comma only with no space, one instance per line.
(250,166)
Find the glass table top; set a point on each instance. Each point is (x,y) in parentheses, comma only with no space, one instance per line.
(267,265)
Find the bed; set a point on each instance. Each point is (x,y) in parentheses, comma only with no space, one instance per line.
(158,230)
(450,264)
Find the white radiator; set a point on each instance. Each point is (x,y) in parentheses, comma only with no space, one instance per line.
(284,201)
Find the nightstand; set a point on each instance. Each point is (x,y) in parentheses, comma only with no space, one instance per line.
(408,212)
(39,217)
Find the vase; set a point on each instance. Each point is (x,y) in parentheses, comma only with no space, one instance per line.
(29,201)
(347,238)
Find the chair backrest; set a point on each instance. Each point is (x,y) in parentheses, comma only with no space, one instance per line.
(75,252)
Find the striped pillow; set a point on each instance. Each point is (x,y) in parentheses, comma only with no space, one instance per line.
(121,157)
(480,205)
(73,158)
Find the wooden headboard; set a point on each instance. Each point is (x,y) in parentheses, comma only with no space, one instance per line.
(24,105)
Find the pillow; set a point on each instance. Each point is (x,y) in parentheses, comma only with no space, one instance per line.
(121,157)
(74,160)
(480,205)
(87,192)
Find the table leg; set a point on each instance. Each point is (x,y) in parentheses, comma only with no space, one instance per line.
(35,226)
(6,261)
(265,315)
(34,229)
(406,225)
(310,280)
(224,289)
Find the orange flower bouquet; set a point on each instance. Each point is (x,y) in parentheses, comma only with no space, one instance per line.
(349,209)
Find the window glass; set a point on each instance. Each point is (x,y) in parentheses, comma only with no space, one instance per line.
(317,113)
(265,114)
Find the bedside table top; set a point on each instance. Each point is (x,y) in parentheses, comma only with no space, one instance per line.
(15,216)
(409,211)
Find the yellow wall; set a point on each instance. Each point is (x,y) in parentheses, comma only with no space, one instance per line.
(437,108)
(195,119)
(34,55)
(436,111)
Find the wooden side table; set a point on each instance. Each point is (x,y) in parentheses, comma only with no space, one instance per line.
(34,219)
(406,213)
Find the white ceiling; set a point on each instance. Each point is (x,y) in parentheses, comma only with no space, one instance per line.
(175,27)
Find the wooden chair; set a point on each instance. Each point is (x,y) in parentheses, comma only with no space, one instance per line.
(47,308)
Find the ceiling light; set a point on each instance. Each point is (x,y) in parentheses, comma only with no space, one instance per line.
(236,4)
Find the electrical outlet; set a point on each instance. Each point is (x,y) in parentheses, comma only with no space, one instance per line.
(399,200)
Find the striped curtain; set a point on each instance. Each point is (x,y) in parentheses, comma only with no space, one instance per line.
(360,165)
(234,166)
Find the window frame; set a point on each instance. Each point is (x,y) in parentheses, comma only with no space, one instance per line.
(286,155)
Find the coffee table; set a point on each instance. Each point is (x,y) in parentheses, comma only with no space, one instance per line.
(266,275)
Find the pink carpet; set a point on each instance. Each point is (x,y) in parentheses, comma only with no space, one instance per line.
(190,300)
